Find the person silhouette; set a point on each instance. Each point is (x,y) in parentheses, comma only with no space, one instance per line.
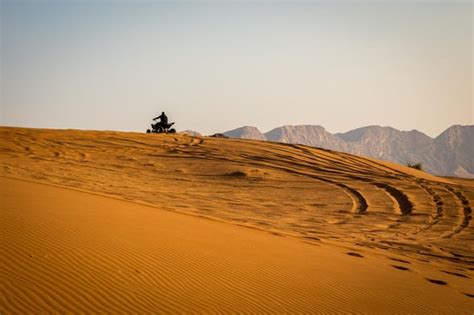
(163,121)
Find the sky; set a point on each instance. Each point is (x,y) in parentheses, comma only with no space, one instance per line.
(216,66)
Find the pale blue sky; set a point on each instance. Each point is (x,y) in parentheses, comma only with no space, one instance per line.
(215,66)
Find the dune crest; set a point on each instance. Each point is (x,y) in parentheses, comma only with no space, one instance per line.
(412,227)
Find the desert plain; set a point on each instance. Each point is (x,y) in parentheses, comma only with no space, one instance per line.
(123,222)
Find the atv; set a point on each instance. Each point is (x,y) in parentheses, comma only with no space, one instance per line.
(159,128)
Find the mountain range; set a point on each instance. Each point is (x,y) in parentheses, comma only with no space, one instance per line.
(449,154)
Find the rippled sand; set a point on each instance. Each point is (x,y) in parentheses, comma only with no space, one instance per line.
(328,231)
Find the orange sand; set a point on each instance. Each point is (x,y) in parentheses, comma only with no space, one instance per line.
(250,226)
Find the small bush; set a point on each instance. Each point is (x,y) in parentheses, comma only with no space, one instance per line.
(237,174)
(417,166)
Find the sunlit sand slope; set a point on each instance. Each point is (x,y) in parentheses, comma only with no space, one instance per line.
(64,250)
(420,224)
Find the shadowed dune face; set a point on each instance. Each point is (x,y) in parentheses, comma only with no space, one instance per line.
(311,194)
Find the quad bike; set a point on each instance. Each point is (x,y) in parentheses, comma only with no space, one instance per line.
(159,128)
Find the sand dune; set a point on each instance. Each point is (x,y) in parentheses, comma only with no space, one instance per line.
(292,229)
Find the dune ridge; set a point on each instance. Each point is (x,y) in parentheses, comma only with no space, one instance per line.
(184,173)
(325,200)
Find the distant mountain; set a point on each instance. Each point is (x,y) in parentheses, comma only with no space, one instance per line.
(387,143)
(455,147)
(451,153)
(315,136)
(246,132)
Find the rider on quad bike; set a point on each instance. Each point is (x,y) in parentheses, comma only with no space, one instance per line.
(162,126)
(163,121)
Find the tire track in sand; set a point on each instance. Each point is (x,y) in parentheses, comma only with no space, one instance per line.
(466,212)
(403,203)
(438,207)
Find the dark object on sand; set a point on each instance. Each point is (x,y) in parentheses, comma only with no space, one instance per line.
(162,126)
(417,166)
(158,128)
(219,135)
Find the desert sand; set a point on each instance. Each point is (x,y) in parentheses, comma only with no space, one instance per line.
(99,221)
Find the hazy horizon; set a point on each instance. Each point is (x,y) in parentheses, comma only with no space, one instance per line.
(213,67)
